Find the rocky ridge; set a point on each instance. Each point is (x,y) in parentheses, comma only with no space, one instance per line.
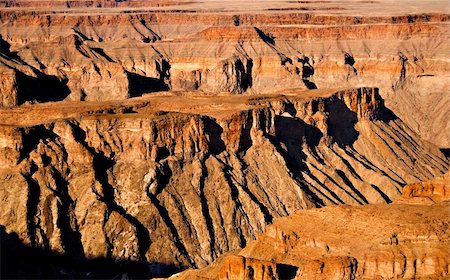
(196,185)
(139,138)
(404,240)
(117,53)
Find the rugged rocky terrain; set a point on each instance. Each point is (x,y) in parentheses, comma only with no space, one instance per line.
(407,239)
(139,138)
(112,53)
(154,180)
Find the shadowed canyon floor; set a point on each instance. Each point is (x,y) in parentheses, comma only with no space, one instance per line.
(142,138)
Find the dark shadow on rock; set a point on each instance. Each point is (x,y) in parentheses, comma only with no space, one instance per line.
(307,72)
(163,176)
(102,164)
(386,115)
(67,221)
(214,131)
(244,74)
(341,122)
(308,69)
(267,38)
(19,261)
(162,153)
(292,133)
(382,194)
(286,271)
(446,152)
(102,53)
(348,59)
(290,108)
(5,49)
(38,88)
(4,46)
(139,85)
(42,88)
(32,138)
(309,85)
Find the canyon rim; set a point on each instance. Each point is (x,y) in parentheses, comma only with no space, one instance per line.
(195,139)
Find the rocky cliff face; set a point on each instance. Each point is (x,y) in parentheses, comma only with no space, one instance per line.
(131,182)
(145,137)
(404,240)
(113,55)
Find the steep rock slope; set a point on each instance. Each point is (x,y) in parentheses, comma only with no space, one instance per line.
(405,240)
(121,51)
(179,180)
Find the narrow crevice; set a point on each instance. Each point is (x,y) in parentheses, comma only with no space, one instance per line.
(382,194)
(70,237)
(333,194)
(164,214)
(101,167)
(348,165)
(337,184)
(370,166)
(235,198)
(402,79)
(206,213)
(34,193)
(349,60)
(268,218)
(109,245)
(296,166)
(350,184)
(317,198)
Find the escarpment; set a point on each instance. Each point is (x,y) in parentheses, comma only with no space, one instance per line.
(404,240)
(122,51)
(141,138)
(182,183)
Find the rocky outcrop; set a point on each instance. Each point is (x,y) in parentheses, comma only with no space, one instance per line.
(127,52)
(404,240)
(192,126)
(136,182)
(436,190)
(8,87)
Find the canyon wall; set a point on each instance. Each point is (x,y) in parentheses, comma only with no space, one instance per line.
(140,138)
(403,240)
(111,55)
(194,186)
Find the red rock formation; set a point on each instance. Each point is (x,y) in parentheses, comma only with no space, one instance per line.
(196,128)
(402,240)
(188,49)
(183,188)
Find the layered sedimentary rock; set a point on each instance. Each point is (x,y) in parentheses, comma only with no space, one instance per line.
(179,180)
(405,240)
(152,136)
(121,52)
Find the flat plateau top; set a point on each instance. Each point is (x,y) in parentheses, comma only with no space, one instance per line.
(216,106)
(319,7)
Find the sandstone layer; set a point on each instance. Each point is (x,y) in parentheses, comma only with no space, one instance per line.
(408,239)
(180,180)
(129,48)
(140,138)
